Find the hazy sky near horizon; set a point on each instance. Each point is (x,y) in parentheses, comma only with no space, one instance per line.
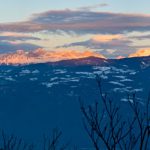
(111,27)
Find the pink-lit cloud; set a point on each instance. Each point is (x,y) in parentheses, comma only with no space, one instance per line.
(107,37)
(81,22)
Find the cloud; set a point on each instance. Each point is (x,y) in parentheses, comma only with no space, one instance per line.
(109,45)
(12,41)
(112,34)
(141,52)
(112,45)
(15,36)
(106,38)
(141,37)
(91,7)
(81,22)
(6,47)
(41,55)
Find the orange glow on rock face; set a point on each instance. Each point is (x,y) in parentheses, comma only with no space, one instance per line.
(41,55)
(141,52)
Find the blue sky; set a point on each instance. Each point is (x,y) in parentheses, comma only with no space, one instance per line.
(16,10)
(75,24)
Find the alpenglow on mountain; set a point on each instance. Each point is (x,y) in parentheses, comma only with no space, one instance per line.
(40,55)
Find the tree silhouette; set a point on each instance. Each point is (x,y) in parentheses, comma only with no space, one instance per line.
(49,143)
(108,129)
(52,143)
(14,143)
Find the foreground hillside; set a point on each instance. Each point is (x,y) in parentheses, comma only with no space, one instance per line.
(38,97)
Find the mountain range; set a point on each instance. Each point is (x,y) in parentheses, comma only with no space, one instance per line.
(41,55)
(37,97)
